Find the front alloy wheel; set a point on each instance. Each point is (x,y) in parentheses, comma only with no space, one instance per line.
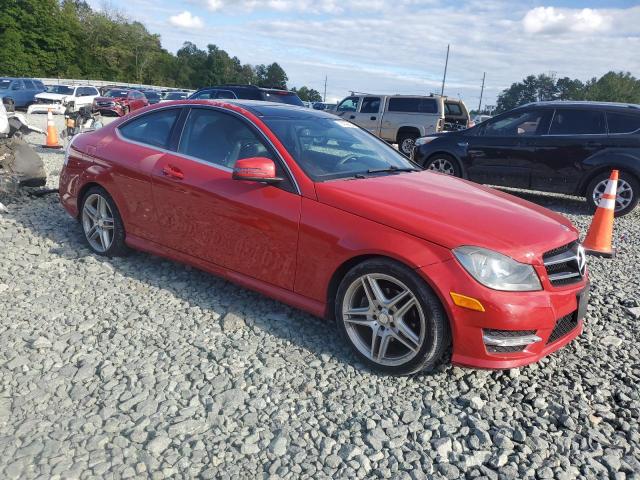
(391,318)
(627,192)
(443,164)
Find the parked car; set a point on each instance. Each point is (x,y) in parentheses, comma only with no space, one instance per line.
(247,92)
(325,106)
(264,195)
(153,96)
(397,119)
(119,102)
(563,147)
(21,91)
(60,97)
(170,96)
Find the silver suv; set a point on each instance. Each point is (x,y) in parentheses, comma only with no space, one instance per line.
(397,119)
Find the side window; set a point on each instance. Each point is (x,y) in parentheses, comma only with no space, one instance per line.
(577,122)
(413,105)
(80,92)
(452,109)
(518,124)
(39,84)
(17,85)
(349,104)
(153,128)
(29,85)
(370,105)
(226,94)
(206,95)
(623,122)
(219,138)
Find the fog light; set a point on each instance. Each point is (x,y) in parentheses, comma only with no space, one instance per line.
(466,302)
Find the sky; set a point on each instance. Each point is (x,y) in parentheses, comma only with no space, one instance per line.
(399,46)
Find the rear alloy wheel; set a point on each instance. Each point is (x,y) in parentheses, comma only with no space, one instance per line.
(443,164)
(406,142)
(390,317)
(102,224)
(627,192)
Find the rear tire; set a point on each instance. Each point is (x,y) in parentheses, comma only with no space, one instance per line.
(443,163)
(627,195)
(391,318)
(102,224)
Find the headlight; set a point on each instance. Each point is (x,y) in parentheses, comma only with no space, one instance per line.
(424,140)
(497,271)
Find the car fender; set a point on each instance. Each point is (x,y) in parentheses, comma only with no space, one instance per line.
(99,174)
(621,159)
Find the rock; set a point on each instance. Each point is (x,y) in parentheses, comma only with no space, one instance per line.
(158,445)
(232,322)
(278,446)
(443,447)
(610,340)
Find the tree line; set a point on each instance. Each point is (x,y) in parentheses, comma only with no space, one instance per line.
(611,87)
(69,39)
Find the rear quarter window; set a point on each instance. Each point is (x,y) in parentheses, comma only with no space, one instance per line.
(288,98)
(413,105)
(623,122)
(578,122)
(153,128)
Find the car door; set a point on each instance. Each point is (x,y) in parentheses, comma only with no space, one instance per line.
(348,108)
(18,93)
(557,157)
(139,144)
(368,114)
(248,227)
(497,154)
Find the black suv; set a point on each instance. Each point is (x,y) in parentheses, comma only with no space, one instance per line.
(563,147)
(247,92)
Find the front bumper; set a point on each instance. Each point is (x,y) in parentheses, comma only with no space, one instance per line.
(116,109)
(56,108)
(551,315)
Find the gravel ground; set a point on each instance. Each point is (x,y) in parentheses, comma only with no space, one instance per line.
(136,367)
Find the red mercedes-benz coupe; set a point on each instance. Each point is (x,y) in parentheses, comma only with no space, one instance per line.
(315,212)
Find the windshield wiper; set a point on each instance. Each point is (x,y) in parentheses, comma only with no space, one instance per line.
(392,168)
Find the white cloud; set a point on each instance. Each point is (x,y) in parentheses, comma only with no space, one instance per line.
(551,20)
(186,20)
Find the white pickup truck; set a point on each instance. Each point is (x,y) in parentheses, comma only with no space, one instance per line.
(399,119)
(58,97)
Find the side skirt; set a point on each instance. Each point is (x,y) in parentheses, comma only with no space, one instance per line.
(285,296)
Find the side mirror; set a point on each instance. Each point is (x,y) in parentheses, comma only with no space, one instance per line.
(256,169)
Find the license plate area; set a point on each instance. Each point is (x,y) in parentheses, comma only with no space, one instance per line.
(583,301)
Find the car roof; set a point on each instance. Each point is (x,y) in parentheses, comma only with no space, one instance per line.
(581,104)
(248,87)
(264,109)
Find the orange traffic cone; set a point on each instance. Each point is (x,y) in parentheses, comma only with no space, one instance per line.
(52,133)
(598,239)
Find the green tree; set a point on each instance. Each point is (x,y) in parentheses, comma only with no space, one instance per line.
(614,87)
(307,94)
(272,76)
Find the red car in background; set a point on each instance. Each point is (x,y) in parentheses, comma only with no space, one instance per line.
(315,212)
(120,101)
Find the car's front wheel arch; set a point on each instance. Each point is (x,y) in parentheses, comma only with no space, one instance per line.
(457,164)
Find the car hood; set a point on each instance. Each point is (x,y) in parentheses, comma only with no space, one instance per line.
(452,212)
(52,96)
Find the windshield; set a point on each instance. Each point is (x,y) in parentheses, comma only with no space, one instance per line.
(328,149)
(116,93)
(4,83)
(282,97)
(151,95)
(175,96)
(61,89)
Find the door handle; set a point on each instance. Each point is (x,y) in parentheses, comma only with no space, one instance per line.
(173,172)
(352,117)
(372,118)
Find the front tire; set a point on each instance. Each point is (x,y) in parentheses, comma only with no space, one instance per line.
(391,319)
(406,142)
(443,163)
(102,224)
(627,194)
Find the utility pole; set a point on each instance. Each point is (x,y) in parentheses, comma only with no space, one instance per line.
(324,97)
(446,62)
(481,92)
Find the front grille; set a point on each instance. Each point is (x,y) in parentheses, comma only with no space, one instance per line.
(505,348)
(565,265)
(508,333)
(563,326)
(106,104)
(47,101)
